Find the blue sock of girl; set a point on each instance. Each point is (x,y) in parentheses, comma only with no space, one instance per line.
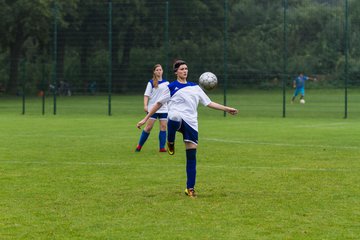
(162,139)
(190,167)
(143,137)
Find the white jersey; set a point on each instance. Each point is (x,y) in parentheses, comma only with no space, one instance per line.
(183,100)
(154,94)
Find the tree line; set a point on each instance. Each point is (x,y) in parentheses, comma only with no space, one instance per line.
(252,42)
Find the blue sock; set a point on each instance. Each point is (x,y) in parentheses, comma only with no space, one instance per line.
(162,138)
(173,126)
(190,167)
(143,137)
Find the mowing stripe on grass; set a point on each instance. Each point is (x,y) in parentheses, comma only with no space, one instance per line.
(180,164)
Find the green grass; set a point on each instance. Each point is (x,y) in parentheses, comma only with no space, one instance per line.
(260,176)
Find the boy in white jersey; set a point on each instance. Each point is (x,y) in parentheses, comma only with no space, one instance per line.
(183,98)
(153,91)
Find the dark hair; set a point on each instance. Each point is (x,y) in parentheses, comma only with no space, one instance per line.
(177,64)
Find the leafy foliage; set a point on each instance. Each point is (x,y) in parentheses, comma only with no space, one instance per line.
(248,38)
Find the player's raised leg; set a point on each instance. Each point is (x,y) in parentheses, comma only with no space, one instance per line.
(173,125)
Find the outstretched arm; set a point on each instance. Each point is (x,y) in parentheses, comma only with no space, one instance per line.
(153,110)
(227,109)
(146,101)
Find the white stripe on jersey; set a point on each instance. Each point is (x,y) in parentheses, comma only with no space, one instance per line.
(183,101)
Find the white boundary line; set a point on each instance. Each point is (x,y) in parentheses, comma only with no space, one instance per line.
(326,125)
(279,144)
(294,169)
(30,135)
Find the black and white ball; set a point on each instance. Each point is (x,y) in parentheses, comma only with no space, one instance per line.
(208,81)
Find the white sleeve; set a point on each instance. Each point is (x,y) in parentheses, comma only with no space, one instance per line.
(148,90)
(165,96)
(204,99)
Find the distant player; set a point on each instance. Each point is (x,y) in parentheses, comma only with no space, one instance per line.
(183,98)
(152,93)
(299,85)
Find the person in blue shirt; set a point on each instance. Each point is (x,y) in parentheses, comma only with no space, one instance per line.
(182,98)
(153,91)
(299,85)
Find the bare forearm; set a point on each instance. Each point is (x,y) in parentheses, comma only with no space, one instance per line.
(146,101)
(220,107)
(153,110)
(216,106)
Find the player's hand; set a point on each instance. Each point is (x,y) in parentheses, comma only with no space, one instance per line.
(139,124)
(232,111)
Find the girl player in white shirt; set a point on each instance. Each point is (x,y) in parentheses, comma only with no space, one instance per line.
(153,91)
(183,98)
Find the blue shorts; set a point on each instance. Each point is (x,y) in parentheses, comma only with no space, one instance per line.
(189,134)
(160,116)
(299,90)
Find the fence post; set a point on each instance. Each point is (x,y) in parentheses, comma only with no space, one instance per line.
(285,6)
(225,51)
(346,53)
(167,40)
(110,58)
(23,65)
(43,84)
(54,76)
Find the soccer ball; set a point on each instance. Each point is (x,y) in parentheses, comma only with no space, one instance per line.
(208,81)
(302,101)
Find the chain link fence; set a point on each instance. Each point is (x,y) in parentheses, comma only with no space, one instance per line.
(109,47)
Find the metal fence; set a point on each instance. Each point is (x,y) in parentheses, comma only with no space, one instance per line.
(109,47)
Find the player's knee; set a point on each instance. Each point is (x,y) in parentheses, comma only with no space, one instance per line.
(148,128)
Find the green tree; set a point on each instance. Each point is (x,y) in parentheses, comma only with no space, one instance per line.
(21,20)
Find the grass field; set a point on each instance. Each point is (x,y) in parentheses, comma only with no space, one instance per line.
(260,176)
